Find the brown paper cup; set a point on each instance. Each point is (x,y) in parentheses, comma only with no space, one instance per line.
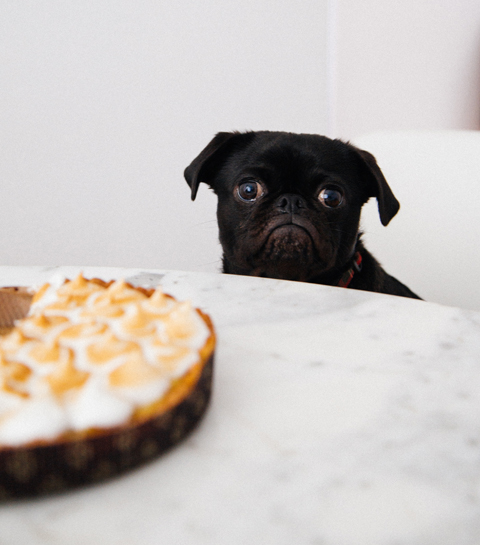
(14,304)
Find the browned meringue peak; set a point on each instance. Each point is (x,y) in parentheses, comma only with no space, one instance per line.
(109,347)
(159,301)
(82,330)
(40,293)
(139,321)
(102,309)
(70,295)
(134,372)
(13,341)
(179,324)
(78,290)
(119,293)
(13,376)
(14,369)
(39,324)
(168,356)
(61,305)
(66,377)
(49,352)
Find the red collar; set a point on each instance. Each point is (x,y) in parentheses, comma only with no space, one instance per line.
(348,275)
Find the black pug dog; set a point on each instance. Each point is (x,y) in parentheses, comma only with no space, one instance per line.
(289,207)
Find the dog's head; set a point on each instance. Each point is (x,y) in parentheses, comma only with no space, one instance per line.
(288,204)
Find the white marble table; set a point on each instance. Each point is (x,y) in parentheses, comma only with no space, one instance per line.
(338,417)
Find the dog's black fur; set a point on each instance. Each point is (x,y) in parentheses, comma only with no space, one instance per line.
(289,207)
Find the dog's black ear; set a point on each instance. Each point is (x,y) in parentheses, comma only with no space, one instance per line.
(388,205)
(202,168)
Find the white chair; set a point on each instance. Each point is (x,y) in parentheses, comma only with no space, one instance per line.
(433,244)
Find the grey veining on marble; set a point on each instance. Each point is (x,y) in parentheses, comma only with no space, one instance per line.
(338,417)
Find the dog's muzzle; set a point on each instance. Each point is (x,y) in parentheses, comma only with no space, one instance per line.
(291,210)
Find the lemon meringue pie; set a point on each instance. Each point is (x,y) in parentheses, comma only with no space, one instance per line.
(113,373)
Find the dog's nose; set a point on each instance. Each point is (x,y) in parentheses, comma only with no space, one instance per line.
(290,203)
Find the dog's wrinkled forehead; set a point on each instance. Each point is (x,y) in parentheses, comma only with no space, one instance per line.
(292,158)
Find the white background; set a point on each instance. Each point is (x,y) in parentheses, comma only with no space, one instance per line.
(103,103)
(407,65)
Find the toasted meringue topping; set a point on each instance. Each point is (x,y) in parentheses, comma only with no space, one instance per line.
(13,341)
(92,353)
(133,372)
(17,371)
(108,348)
(83,329)
(13,377)
(66,377)
(49,352)
(139,322)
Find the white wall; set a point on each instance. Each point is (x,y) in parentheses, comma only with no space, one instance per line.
(432,244)
(103,103)
(413,64)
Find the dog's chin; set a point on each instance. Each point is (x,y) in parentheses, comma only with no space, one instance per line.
(288,254)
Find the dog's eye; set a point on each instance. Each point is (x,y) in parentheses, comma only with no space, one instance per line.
(331,197)
(249,191)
